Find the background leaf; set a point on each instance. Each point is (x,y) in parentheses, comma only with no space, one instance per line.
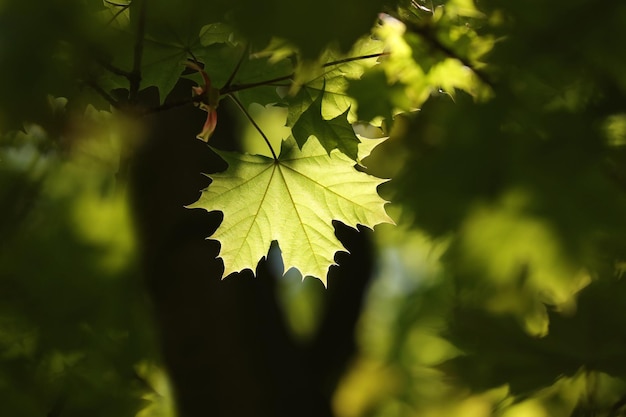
(332,134)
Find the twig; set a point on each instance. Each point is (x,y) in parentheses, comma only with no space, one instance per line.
(135,75)
(102,93)
(58,406)
(112,3)
(239,87)
(173,104)
(615,409)
(228,89)
(256,126)
(435,43)
(355,58)
(193,58)
(234,73)
(113,69)
(119,12)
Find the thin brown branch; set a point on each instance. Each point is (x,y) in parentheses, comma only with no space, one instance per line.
(236,69)
(58,406)
(113,69)
(227,89)
(135,75)
(112,3)
(435,43)
(168,105)
(118,13)
(102,93)
(619,405)
(239,87)
(355,58)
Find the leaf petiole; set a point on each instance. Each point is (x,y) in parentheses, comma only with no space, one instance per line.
(256,126)
(227,89)
(236,69)
(94,86)
(123,8)
(355,58)
(240,87)
(135,74)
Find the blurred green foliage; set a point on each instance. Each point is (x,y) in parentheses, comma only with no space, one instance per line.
(74,318)
(500,292)
(524,187)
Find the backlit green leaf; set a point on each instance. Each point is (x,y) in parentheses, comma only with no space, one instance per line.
(292,200)
(336,133)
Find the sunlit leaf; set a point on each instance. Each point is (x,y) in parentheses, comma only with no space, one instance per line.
(332,134)
(292,200)
(332,79)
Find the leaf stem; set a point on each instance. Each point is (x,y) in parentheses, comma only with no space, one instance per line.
(256,126)
(103,93)
(113,69)
(112,3)
(234,88)
(135,74)
(123,7)
(227,89)
(355,58)
(234,73)
(615,409)
(434,42)
(173,104)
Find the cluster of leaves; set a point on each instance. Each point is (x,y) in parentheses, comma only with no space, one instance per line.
(108,55)
(73,333)
(255,193)
(317,81)
(515,159)
(526,193)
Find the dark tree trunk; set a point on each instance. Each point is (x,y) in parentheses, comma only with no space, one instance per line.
(225,343)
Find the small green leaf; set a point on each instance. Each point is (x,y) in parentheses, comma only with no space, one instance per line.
(336,133)
(376,97)
(331,76)
(309,24)
(162,65)
(215,33)
(258,69)
(220,61)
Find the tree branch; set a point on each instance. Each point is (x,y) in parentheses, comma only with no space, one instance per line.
(239,87)
(436,44)
(615,409)
(234,73)
(58,406)
(119,12)
(173,104)
(112,3)
(355,58)
(135,75)
(113,69)
(227,89)
(102,93)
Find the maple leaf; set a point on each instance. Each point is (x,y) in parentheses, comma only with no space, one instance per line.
(332,80)
(332,134)
(293,200)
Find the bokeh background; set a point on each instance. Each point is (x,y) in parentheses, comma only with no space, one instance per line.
(499,292)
